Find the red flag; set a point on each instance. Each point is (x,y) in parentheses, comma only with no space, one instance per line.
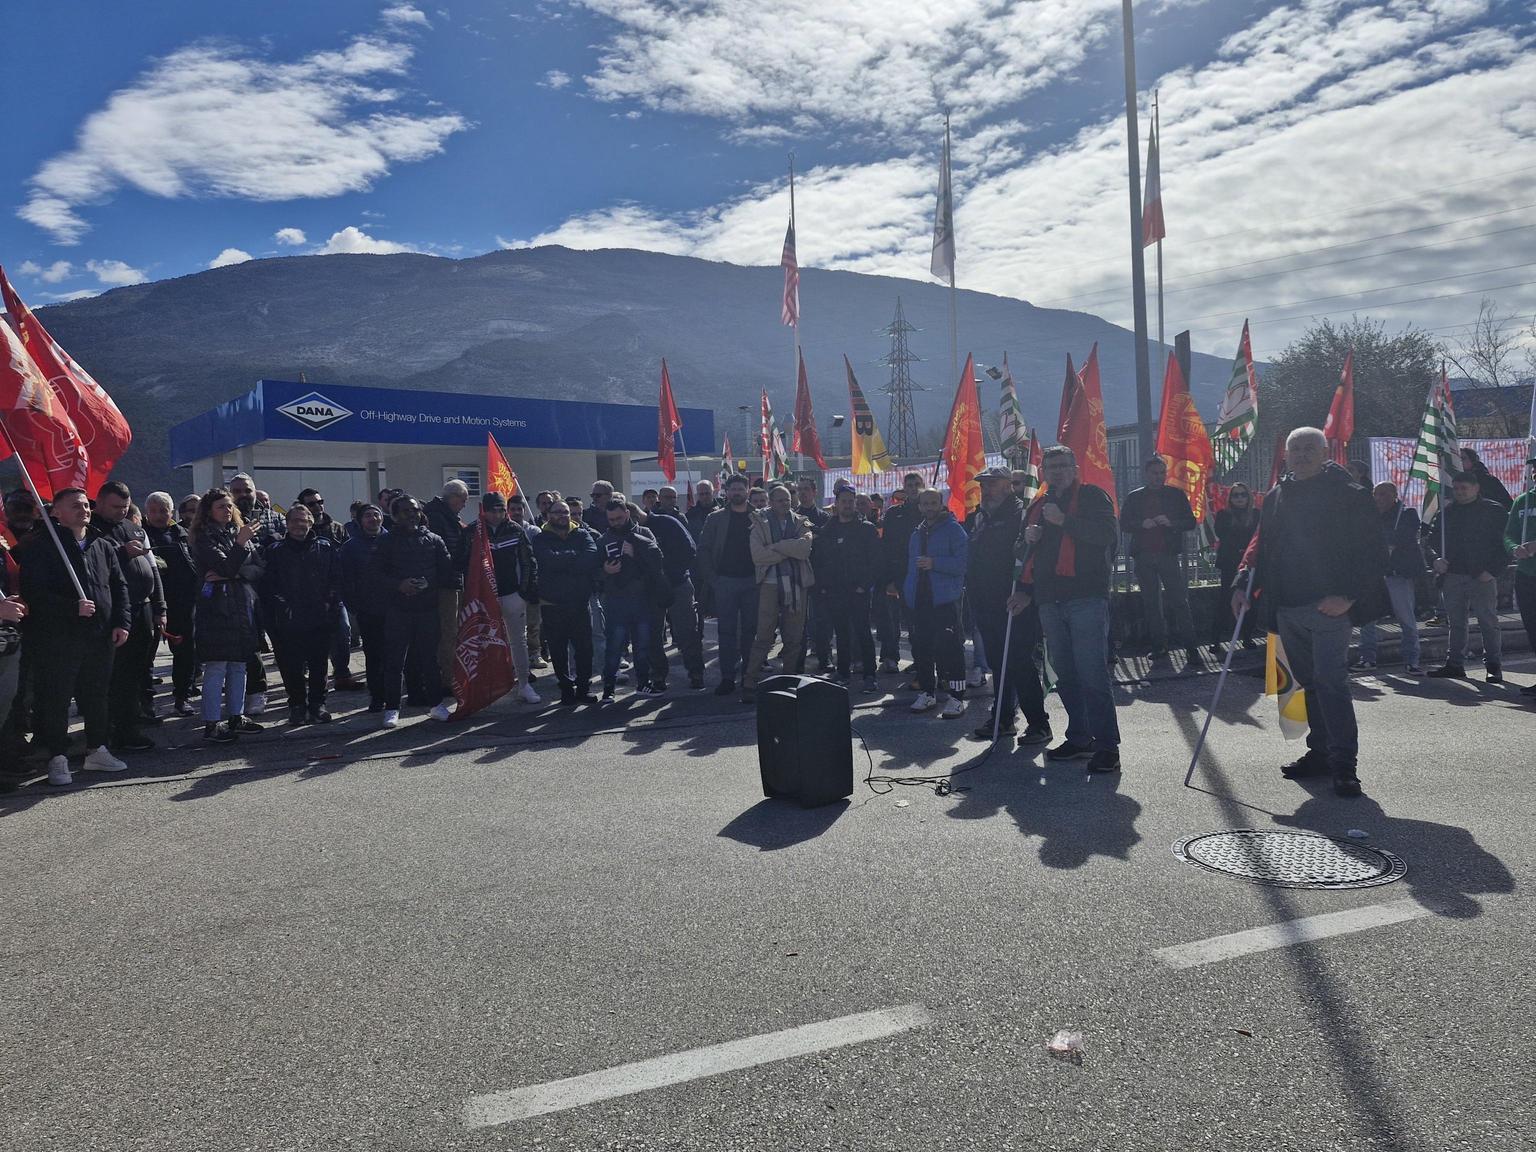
(99,426)
(1152,229)
(1181,437)
(1085,432)
(667,424)
(36,423)
(482,657)
(790,310)
(806,440)
(499,476)
(965,457)
(1068,393)
(1340,428)
(1277,467)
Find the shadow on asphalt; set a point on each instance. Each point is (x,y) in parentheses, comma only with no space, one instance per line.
(771,824)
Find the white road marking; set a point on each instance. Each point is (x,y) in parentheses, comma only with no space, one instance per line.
(1234,944)
(627,1079)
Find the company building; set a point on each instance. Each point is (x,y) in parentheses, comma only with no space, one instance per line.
(351,442)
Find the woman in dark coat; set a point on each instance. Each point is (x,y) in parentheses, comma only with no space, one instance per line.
(1235,526)
(222,621)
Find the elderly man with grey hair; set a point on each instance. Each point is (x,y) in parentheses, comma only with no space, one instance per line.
(181,579)
(1318,561)
(442,514)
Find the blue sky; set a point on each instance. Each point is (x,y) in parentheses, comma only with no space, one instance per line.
(1320,156)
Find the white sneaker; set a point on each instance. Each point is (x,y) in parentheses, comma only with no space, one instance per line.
(975,678)
(255,703)
(391,718)
(528,696)
(923,702)
(101,760)
(440,712)
(58,772)
(953,708)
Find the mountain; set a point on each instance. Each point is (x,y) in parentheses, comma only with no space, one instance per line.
(553,322)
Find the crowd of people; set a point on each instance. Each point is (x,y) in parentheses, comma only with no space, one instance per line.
(605,590)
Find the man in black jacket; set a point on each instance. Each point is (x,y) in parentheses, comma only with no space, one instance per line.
(845,556)
(131,665)
(410,567)
(567,558)
(341,641)
(442,514)
(180,580)
(73,640)
(517,581)
(997,535)
(896,528)
(678,553)
(301,600)
(1156,516)
(1319,561)
(1405,564)
(363,604)
(1489,486)
(632,578)
(1470,556)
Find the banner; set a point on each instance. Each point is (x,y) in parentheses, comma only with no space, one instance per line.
(36,421)
(499,476)
(964,452)
(482,657)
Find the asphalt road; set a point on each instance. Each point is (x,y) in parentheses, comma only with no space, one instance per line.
(336,938)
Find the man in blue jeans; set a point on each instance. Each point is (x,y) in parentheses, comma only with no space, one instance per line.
(1069,531)
(1405,564)
(1319,558)
(729,579)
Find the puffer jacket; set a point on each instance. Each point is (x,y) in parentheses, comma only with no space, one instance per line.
(995,538)
(405,554)
(222,617)
(445,523)
(632,588)
(179,575)
(568,565)
(356,556)
(896,529)
(946,542)
(676,542)
(141,572)
(845,556)
(301,588)
(53,607)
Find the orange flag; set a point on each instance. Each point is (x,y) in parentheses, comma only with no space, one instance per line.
(965,457)
(499,476)
(1181,437)
(1340,428)
(667,424)
(1084,431)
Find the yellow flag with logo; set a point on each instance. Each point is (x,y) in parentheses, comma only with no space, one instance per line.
(1279,682)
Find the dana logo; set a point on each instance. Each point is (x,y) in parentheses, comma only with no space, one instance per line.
(314,411)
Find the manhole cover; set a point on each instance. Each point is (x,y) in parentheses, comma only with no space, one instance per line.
(1291,859)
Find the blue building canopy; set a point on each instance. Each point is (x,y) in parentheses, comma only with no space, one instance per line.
(284,410)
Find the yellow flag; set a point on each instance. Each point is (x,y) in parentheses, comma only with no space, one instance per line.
(868,449)
(1279,682)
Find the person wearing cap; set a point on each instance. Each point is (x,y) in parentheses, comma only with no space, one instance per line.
(1520,538)
(997,534)
(1470,556)
(1156,516)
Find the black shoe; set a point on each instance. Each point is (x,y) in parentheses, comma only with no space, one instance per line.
(588,698)
(136,742)
(568,697)
(319,716)
(1495,674)
(1346,783)
(1193,656)
(725,688)
(193,692)
(1449,672)
(696,682)
(347,684)
(1105,760)
(1158,654)
(296,717)
(1312,764)
(843,678)
(984,731)
(748,695)
(1067,750)
(1035,734)
(218,734)
(375,705)
(244,724)
(151,719)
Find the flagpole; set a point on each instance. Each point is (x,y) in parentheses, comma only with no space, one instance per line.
(1157,134)
(1221,681)
(1144,415)
(795,370)
(53,530)
(954,293)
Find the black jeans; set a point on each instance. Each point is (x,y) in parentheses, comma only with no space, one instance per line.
(130,669)
(1021,684)
(568,627)
(819,629)
(65,667)
(178,637)
(847,613)
(410,650)
(301,660)
(370,626)
(937,642)
(680,615)
(885,611)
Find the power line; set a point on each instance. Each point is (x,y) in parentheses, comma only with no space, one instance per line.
(1309,251)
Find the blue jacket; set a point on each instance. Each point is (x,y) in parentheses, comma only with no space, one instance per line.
(947,543)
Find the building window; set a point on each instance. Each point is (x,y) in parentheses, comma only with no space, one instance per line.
(467,473)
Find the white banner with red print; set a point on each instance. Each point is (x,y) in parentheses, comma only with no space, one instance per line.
(1392,456)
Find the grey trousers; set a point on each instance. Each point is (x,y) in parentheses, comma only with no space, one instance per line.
(1481,597)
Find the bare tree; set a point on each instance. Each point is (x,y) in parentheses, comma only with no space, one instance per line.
(1485,354)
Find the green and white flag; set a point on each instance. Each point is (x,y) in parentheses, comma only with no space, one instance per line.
(1437,454)
(1011,420)
(1239,416)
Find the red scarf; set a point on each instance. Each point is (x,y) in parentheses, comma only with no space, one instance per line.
(1066,555)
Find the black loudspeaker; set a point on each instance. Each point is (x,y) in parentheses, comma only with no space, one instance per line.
(804,740)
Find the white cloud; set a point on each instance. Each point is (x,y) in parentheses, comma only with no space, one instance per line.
(404,14)
(1287,141)
(56,272)
(229,256)
(66,297)
(115,273)
(212,120)
(353,239)
(555,78)
(293,237)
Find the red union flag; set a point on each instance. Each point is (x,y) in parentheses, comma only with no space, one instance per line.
(668,422)
(806,439)
(1340,428)
(482,658)
(964,456)
(99,426)
(499,476)
(1182,439)
(35,422)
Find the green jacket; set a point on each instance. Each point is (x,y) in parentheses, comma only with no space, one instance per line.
(1517,513)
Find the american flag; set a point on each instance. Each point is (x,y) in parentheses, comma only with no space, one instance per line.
(790,312)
